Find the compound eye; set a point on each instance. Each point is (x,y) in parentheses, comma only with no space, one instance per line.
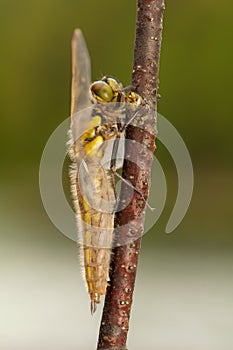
(113,83)
(101,91)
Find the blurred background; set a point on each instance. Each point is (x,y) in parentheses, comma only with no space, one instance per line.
(183,297)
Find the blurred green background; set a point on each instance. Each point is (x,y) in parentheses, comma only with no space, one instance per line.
(184,288)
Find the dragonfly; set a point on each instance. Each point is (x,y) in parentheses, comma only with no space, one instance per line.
(100,113)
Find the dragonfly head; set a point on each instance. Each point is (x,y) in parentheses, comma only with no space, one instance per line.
(105,90)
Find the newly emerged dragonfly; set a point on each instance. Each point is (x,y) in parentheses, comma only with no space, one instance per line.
(97,134)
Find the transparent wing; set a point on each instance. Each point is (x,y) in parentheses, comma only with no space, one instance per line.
(81,73)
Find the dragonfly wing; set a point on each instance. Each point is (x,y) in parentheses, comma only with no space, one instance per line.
(81,73)
(96,203)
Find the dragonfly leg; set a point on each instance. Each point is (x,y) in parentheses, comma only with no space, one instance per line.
(134,188)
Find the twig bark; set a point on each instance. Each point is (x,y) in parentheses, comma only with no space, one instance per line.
(115,320)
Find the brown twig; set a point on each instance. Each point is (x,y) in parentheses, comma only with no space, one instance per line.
(115,320)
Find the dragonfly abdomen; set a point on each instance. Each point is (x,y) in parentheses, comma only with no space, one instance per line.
(96,262)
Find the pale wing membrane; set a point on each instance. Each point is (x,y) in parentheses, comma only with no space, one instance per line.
(81,73)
